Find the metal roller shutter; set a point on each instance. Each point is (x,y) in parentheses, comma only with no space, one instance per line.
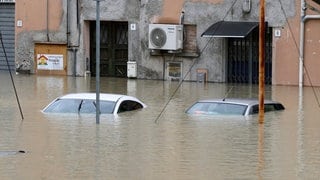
(7,25)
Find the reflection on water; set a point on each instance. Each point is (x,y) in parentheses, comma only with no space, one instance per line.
(135,146)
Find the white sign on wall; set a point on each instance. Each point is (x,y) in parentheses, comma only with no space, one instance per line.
(277,32)
(50,61)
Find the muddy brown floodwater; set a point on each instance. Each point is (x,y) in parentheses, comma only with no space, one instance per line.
(138,145)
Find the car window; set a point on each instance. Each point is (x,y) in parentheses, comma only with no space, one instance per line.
(107,107)
(87,106)
(217,108)
(254,109)
(80,106)
(278,106)
(231,109)
(198,108)
(64,106)
(129,106)
(267,108)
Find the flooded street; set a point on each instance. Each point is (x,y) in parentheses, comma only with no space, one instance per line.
(148,145)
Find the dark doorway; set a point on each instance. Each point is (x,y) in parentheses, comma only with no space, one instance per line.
(243,58)
(113,48)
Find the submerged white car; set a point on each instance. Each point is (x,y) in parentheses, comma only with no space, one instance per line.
(86,103)
(232,107)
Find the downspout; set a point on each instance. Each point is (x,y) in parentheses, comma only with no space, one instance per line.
(301,51)
(47,20)
(68,24)
(304,18)
(71,46)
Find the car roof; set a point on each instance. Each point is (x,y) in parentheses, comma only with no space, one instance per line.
(245,101)
(92,96)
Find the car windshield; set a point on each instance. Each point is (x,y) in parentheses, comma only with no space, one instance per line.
(217,108)
(79,106)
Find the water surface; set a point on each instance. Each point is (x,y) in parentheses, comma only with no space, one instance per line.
(148,145)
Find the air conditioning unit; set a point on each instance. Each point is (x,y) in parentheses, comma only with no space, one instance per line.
(165,36)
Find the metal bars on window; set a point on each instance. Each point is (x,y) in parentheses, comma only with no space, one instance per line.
(243,58)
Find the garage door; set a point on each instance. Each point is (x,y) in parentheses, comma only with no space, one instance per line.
(7,22)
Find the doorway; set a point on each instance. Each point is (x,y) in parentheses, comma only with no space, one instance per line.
(113,48)
(243,58)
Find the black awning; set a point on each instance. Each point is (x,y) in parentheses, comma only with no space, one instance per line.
(230,29)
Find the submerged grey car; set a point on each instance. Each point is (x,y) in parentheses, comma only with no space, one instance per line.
(232,106)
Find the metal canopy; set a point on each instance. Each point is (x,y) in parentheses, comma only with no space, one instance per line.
(230,29)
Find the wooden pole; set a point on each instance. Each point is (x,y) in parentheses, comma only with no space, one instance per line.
(261,61)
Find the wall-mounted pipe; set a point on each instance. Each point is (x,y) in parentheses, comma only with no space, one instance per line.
(309,17)
(246,6)
(47,20)
(301,55)
(74,61)
(72,44)
(68,23)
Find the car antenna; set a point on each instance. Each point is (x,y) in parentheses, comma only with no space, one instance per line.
(226,95)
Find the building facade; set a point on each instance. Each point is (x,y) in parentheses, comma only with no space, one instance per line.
(59,37)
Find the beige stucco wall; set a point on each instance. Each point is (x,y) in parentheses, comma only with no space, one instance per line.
(171,11)
(286,51)
(312,53)
(33,15)
(286,55)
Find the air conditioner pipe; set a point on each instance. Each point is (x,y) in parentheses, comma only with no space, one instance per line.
(181,18)
(47,20)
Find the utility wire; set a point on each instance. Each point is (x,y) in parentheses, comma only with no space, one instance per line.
(14,87)
(191,66)
(297,48)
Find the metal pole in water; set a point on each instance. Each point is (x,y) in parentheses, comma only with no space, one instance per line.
(98,61)
(261,61)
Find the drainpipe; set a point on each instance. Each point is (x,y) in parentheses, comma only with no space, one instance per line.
(301,52)
(68,24)
(304,18)
(47,19)
(71,46)
(74,49)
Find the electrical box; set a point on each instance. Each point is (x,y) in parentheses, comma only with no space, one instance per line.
(132,69)
(202,75)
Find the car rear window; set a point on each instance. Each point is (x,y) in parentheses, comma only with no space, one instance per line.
(217,108)
(267,108)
